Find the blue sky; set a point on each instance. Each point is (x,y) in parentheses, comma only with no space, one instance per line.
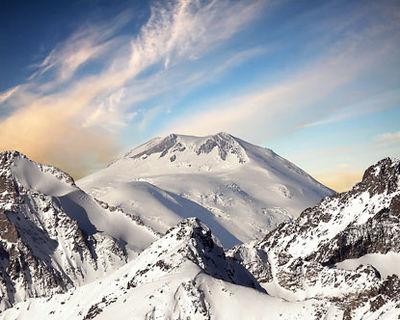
(316,81)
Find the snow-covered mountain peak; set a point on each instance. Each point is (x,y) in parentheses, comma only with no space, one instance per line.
(193,151)
(9,155)
(238,189)
(193,241)
(221,152)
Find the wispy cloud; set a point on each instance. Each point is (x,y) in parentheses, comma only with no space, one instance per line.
(59,111)
(84,45)
(281,107)
(388,138)
(4,96)
(370,104)
(301,99)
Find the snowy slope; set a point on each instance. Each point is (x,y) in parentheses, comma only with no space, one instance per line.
(238,189)
(345,250)
(53,236)
(311,268)
(184,275)
(91,215)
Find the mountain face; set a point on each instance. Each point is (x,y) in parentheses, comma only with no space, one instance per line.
(346,250)
(66,255)
(238,189)
(184,275)
(337,260)
(53,236)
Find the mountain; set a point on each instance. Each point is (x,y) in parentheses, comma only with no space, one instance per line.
(238,189)
(337,260)
(346,250)
(184,275)
(54,236)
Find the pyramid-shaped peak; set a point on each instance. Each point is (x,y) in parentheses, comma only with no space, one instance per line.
(224,134)
(192,240)
(381,177)
(191,228)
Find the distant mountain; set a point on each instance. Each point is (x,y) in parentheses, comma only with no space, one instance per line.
(238,189)
(345,250)
(53,236)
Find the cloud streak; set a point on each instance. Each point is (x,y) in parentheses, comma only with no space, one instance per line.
(60,111)
(279,108)
(388,138)
(301,99)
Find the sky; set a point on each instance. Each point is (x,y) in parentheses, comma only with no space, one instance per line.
(82,81)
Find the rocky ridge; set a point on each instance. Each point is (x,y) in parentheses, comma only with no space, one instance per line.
(45,246)
(173,144)
(337,260)
(306,258)
(168,277)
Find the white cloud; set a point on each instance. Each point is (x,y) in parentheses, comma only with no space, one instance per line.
(368,104)
(388,137)
(5,95)
(277,108)
(92,105)
(84,45)
(108,114)
(299,100)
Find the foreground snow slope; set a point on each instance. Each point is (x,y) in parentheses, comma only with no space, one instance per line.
(238,189)
(184,275)
(53,236)
(345,250)
(337,260)
(307,266)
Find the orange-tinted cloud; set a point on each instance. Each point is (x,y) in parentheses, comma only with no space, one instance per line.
(53,136)
(71,119)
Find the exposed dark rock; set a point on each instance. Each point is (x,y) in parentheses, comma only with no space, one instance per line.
(225,144)
(304,252)
(163,147)
(32,226)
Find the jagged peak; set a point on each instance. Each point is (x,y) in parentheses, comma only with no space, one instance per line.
(381,176)
(9,157)
(224,134)
(191,228)
(220,134)
(192,240)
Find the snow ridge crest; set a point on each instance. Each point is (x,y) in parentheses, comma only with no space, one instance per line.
(174,145)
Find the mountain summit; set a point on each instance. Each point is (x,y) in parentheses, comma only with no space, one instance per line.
(174,147)
(237,188)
